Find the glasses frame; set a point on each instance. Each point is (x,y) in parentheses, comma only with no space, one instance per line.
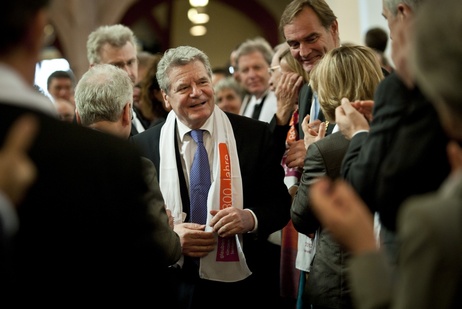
(272,69)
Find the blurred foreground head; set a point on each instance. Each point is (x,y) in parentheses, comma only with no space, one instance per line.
(437,68)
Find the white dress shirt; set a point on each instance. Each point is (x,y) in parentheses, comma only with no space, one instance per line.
(269,106)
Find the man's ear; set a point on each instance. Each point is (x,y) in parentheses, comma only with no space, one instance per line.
(127,115)
(404,11)
(334,30)
(77,117)
(166,99)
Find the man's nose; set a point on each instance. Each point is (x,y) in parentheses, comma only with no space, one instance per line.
(305,49)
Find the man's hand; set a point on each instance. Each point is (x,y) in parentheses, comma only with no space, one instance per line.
(296,154)
(365,108)
(17,171)
(231,221)
(287,96)
(170,218)
(313,131)
(195,242)
(350,120)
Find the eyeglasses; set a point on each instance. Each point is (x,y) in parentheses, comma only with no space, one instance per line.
(271,70)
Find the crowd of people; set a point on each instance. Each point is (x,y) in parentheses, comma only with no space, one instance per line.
(314,176)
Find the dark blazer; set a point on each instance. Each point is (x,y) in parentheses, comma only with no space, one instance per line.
(165,237)
(86,232)
(403,154)
(264,190)
(327,284)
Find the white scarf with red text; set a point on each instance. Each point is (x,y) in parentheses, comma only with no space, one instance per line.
(226,262)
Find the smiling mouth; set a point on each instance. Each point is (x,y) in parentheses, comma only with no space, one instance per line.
(312,60)
(198,104)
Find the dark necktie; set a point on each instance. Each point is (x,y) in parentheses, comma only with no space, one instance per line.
(257,109)
(199,181)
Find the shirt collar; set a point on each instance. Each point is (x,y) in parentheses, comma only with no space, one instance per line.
(184,129)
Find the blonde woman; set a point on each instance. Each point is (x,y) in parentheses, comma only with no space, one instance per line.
(351,72)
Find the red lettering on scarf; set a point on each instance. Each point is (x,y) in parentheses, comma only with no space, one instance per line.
(227,248)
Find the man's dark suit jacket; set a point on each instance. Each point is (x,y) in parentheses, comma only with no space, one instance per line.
(304,106)
(85,233)
(403,154)
(327,283)
(264,190)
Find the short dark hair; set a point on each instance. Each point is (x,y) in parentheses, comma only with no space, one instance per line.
(16,19)
(376,38)
(221,70)
(59,74)
(320,8)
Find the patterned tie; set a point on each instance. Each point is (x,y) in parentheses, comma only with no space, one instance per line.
(199,181)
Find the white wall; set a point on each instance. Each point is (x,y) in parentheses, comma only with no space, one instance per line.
(355,17)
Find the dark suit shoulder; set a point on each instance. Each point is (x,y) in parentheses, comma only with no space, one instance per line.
(249,132)
(391,86)
(246,121)
(148,142)
(149,133)
(304,101)
(60,137)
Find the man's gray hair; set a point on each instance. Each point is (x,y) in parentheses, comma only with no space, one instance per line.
(102,93)
(392,5)
(115,35)
(229,83)
(257,44)
(179,56)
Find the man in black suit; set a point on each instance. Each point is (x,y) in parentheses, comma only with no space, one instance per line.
(244,174)
(311,29)
(103,100)
(85,231)
(403,150)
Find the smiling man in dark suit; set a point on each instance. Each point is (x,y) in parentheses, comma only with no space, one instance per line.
(310,28)
(247,199)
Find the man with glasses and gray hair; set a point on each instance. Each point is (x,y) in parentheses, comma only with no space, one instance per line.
(116,45)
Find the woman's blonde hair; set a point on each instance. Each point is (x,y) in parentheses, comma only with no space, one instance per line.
(349,71)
